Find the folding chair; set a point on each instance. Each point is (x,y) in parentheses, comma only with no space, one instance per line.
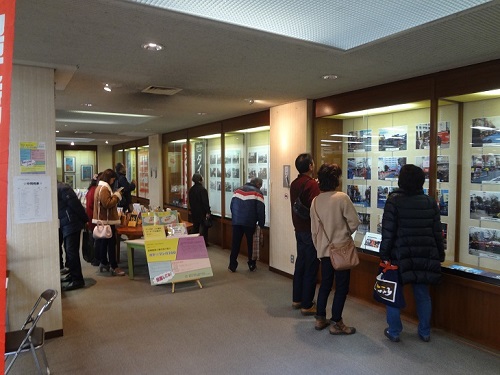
(29,338)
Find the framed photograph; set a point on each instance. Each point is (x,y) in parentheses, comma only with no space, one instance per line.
(69,164)
(70,180)
(87,171)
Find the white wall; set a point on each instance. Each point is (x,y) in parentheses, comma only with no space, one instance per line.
(155,171)
(291,132)
(32,249)
(104,158)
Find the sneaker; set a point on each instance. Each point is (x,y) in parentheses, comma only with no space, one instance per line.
(64,271)
(321,323)
(117,272)
(310,311)
(339,328)
(390,337)
(296,305)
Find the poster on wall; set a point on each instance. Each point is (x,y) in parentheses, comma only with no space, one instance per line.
(365,222)
(258,166)
(32,157)
(485,205)
(442,165)
(484,242)
(359,141)
(443,197)
(32,199)
(199,158)
(486,131)
(485,169)
(359,168)
(360,195)
(382,194)
(423,131)
(389,167)
(393,139)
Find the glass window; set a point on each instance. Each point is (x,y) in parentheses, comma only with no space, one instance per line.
(479,232)
(143,172)
(131,163)
(371,147)
(175,173)
(247,156)
(206,159)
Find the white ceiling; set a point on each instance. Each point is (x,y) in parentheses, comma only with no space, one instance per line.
(218,65)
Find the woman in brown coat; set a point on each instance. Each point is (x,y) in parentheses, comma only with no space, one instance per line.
(105,211)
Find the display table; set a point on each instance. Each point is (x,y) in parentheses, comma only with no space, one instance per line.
(131,246)
(134,233)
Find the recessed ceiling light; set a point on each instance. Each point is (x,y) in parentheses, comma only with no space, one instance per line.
(106,142)
(249,101)
(87,104)
(152,46)
(57,131)
(72,143)
(329,76)
(202,113)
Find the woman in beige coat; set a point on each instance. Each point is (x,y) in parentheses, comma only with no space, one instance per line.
(339,219)
(105,211)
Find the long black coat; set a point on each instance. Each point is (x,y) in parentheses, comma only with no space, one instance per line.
(198,202)
(71,213)
(412,236)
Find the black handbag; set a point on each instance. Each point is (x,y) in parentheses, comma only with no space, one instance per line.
(88,246)
(299,208)
(208,223)
(388,288)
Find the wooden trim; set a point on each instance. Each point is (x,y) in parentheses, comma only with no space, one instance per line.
(174,136)
(247,121)
(207,129)
(53,334)
(76,148)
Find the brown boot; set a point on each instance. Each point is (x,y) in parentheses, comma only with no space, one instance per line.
(339,328)
(310,311)
(321,323)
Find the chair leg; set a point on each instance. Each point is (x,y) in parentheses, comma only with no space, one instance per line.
(10,361)
(35,357)
(44,357)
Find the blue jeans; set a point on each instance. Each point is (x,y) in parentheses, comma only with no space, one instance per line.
(238,232)
(424,310)
(306,270)
(342,279)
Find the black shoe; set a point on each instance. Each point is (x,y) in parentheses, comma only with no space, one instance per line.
(252,266)
(424,338)
(66,278)
(95,263)
(74,285)
(64,271)
(390,337)
(231,269)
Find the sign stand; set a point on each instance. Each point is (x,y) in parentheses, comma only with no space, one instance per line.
(197,280)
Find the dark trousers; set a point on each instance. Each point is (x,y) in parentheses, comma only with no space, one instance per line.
(199,227)
(61,243)
(238,232)
(342,279)
(106,249)
(72,247)
(306,270)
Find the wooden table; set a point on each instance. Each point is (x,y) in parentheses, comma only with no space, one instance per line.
(134,233)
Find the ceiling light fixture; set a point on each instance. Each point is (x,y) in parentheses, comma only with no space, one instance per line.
(106,142)
(329,76)
(72,143)
(249,101)
(107,88)
(152,46)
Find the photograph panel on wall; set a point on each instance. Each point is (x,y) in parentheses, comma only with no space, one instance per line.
(393,139)
(360,195)
(359,168)
(486,131)
(371,241)
(484,242)
(70,180)
(445,235)
(252,157)
(87,171)
(485,205)
(382,194)
(365,222)
(442,165)
(389,167)
(423,131)
(485,169)
(443,197)
(69,164)
(359,141)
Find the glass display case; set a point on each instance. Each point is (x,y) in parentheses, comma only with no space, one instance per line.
(143,172)
(76,167)
(175,173)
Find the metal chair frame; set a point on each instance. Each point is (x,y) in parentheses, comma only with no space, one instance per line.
(32,338)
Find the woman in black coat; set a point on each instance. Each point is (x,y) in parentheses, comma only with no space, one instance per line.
(199,206)
(412,239)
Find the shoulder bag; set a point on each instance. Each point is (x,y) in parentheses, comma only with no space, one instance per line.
(343,256)
(101,231)
(299,208)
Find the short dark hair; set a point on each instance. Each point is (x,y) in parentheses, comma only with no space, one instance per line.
(256,181)
(329,177)
(411,178)
(303,162)
(197,178)
(107,175)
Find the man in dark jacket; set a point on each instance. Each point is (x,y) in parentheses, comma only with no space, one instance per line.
(128,188)
(199,205)
(306,262)
(247,209)
(72,219)
(412,239)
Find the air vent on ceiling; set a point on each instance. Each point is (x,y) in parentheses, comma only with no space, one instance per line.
(159,90)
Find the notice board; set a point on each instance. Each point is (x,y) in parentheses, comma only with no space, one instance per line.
(173,260)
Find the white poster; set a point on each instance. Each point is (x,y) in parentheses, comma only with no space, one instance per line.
(32,199)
